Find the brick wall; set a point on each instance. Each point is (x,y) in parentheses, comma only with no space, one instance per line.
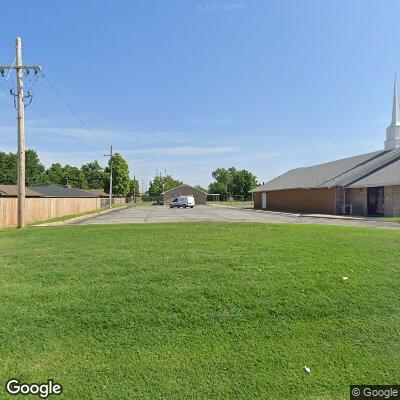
(392,201)
(327,201)
(316,201)
(358,197)
(200,197)
(257,200)
(396,201)
(339,200)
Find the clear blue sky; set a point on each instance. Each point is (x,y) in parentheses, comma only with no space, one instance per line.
(189,86)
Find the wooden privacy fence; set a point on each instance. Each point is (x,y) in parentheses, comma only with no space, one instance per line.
(42,208)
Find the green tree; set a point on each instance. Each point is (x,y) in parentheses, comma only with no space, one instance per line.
(35,171)
(94,175)
(134,188)
(8,168)
(219,188)
(121,179)
(240,184)
(59,175)
(74,177)
(222,177)
(55,174)
(232,183)
(162,183)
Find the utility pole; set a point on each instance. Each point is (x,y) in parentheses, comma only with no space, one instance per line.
(134,189)
(111,177)
(19,67)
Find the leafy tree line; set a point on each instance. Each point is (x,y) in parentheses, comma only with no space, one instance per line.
(35,172)
(88,176)
(162,183)
(228,183)
(232,183)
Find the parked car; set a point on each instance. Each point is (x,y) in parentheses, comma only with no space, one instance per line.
(183,201)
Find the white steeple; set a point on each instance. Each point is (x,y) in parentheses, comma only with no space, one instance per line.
(393,130)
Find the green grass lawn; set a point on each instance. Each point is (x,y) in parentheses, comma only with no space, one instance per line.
(70,216)
(200,310)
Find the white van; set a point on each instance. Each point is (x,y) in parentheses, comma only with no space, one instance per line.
(183,201)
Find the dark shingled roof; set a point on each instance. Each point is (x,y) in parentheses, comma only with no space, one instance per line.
(97,192)
(342,172)
(12,191)
(61,191)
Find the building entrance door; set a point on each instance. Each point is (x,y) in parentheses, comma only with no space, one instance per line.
(264,200)
(376,201)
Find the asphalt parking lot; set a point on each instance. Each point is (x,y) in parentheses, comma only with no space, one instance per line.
(149,214)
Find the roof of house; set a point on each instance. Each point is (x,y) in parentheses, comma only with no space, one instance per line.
(61,191)
(12,191)
(184,186)
(344,172)
(97,192)
(388,175)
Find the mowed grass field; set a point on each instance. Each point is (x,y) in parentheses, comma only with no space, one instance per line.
(200,310)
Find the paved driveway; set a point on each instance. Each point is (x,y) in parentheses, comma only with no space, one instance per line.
(218,213)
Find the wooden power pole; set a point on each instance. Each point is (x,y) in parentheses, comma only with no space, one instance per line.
(111,177)
(134,189)
(20,105)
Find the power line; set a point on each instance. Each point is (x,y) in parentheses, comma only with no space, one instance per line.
(12,66)
(87,139)
(90,132)
(60,126)
(70,108)
(46,114)
(6,83)
(49,100)
(35,80)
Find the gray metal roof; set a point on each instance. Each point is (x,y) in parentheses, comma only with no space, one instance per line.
(61,191)
(388,175)
(334,173)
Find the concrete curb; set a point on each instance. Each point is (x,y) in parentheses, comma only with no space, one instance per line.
(297,215)
(324,216)
(343,217)
(292,215)
(258,211)
(75,220)
(231,207)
